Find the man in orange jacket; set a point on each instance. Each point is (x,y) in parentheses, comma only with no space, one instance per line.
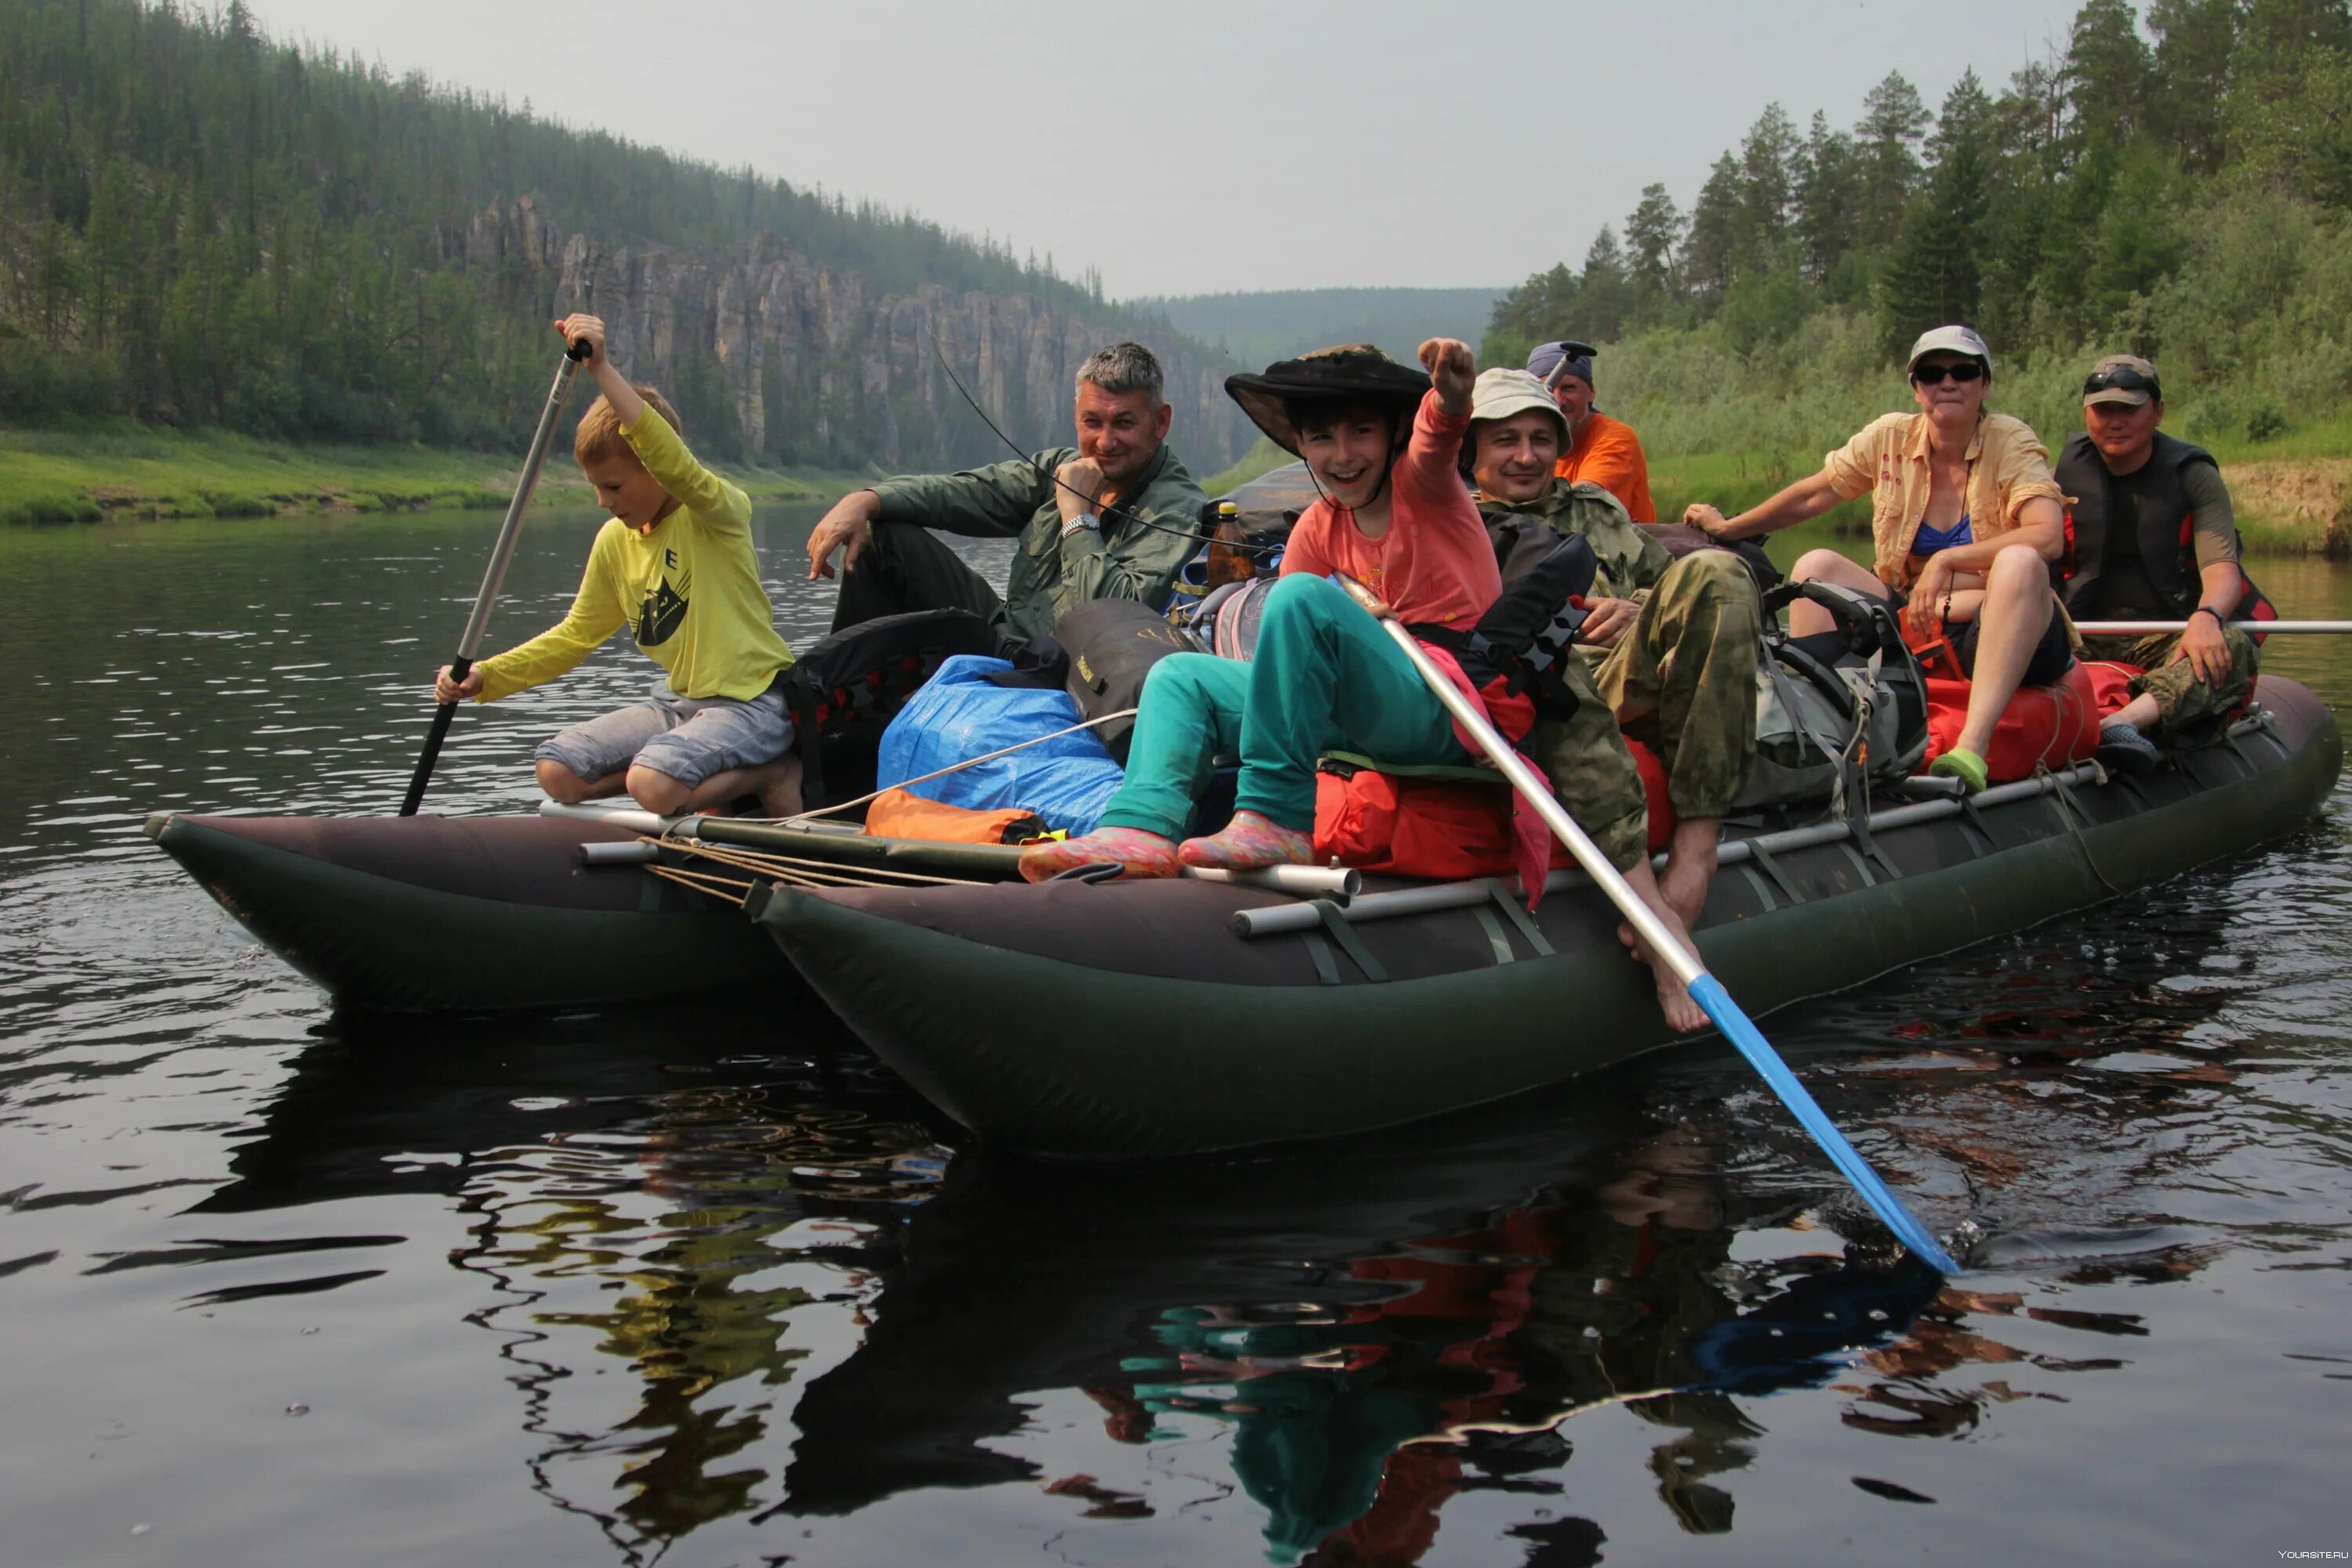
(1601,450)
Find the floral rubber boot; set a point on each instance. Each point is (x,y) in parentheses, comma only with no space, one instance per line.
(1141,853)
(1249,841)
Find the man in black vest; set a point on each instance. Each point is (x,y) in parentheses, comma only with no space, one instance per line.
(2152,538)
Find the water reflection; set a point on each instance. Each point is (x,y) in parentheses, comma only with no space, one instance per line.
(738,1292)
(625,1200)
(1381,1334)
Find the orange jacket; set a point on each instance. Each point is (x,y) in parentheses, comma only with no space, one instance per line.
(1607,453)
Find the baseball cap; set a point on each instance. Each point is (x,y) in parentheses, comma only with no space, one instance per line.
(1954,340)
(1545,359)
(2124,379)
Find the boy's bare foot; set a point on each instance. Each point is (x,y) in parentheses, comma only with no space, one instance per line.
(778,785)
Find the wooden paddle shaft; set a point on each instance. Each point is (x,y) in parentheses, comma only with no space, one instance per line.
(495,574)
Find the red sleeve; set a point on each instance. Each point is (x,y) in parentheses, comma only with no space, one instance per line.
(1430,471)
(1429,479)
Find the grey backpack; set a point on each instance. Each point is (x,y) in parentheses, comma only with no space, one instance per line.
(1837,713)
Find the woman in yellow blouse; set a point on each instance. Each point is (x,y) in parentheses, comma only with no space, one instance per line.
(1966,519)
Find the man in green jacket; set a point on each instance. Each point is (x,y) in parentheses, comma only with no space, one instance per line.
(1113,518)
(1674,643)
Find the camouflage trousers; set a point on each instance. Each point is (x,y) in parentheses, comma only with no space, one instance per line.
(1683,678)
(1592,773)
(2183,703)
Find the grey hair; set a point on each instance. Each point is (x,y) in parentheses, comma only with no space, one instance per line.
(1123,367)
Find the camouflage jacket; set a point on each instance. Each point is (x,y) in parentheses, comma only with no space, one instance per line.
(1630,560)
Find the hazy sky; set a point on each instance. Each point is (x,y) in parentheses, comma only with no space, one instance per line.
(1196,147)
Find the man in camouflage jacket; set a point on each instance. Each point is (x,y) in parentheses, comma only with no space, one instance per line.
(1114,518)
(1674,643)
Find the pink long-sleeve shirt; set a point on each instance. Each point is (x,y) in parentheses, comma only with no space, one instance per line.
(1434,566)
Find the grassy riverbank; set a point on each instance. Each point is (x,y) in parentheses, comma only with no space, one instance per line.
(88,471)
(2293,491)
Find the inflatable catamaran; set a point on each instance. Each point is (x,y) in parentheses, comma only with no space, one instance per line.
(1086,1019)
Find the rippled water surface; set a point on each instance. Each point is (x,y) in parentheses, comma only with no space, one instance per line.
(702,1284)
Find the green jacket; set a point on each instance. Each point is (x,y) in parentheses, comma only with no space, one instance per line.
(1051,574)
(1631,559)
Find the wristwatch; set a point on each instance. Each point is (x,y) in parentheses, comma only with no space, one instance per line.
(1083,520)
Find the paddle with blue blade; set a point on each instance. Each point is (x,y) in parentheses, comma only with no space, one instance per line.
(1704,988)
(495,573)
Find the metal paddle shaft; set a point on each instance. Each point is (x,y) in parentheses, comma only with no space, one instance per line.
(496,572)
(1704,988)
(2166,628)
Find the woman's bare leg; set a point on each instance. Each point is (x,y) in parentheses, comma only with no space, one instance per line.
(1805,618)
(2016,611)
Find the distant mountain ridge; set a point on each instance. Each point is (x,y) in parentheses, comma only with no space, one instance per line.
(1260,328)
(779,352)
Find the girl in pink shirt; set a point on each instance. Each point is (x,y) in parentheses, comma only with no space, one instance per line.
(1381,441)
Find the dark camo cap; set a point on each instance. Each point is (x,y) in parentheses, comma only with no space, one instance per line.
(2103,388)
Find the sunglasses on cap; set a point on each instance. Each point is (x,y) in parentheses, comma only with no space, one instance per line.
(1967,369)
(2121,378)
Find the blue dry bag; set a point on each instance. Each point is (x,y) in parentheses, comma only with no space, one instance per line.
(1067,781)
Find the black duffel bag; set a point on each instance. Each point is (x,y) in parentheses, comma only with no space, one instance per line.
(1112,645)
(843,692)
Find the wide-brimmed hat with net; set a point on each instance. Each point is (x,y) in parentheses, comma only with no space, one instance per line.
(1356,373)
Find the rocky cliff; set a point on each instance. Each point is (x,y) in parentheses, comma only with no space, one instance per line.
(800,362)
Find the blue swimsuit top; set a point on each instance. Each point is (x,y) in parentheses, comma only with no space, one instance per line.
(1931,540)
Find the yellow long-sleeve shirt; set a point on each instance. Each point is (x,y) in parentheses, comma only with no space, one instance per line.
(688,590)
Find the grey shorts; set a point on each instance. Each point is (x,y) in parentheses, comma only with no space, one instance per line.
(680,737)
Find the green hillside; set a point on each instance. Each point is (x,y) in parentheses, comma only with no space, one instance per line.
(200,226)
(2176,184)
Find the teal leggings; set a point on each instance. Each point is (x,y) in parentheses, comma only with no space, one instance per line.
(1324,675)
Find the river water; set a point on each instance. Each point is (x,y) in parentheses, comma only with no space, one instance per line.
(703,1284)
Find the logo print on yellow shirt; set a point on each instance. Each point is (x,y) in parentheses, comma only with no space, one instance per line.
(661,614)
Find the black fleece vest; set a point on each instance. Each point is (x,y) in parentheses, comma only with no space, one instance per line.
(2168,552)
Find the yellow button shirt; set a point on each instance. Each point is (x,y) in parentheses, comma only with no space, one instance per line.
(2008,466)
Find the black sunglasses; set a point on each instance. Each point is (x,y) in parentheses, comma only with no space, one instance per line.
(2121,378)
(1967,369)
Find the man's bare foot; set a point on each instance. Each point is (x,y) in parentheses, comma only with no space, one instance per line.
(1683,1013)
(778,785)
(1690,867)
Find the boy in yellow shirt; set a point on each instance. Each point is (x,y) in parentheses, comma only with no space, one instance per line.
(676,565)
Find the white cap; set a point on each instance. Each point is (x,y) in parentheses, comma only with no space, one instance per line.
(1502,391)
(1950,341)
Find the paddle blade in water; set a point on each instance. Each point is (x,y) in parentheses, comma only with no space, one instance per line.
(1716,1003)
